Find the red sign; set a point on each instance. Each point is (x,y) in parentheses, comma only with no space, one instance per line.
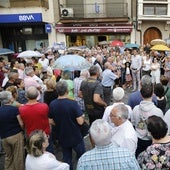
(95,29)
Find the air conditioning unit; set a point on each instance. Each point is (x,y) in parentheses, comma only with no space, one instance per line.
(67,12)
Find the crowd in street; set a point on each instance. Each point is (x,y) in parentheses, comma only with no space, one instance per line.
(42,105)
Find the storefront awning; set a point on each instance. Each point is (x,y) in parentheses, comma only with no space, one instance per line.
(94,28)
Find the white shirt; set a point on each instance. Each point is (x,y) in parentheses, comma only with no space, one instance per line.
(47,161)
(167,120)
(125,136)
(44,63)
(106,115)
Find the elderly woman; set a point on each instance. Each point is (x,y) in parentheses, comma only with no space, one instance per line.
(11,133)
(156,156)
(38,158)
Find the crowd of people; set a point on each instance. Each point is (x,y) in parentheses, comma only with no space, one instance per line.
(41,105)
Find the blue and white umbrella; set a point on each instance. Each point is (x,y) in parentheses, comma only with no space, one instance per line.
(131,45)
(5,51)
(71,63)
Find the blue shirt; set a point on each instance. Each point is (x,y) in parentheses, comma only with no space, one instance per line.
(108,157)
(9,124)
(135,98)
(108,78)
(64,113)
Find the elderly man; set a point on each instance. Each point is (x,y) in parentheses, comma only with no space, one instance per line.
(124,134)
(35,115)
(118,95)
(30,80)
(108,81)
(106,155)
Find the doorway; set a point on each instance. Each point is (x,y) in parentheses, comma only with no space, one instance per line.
(150,34)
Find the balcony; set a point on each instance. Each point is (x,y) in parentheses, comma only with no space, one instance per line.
(93,10)
(158,10)
(24,3)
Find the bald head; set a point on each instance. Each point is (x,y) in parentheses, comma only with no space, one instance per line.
(32,93)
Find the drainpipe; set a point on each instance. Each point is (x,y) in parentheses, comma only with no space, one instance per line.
(137,29)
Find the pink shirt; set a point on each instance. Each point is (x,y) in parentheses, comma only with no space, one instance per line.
(30,81)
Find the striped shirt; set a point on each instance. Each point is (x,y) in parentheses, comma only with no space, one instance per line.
(108,157)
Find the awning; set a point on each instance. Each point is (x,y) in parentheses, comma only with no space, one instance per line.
(110,28)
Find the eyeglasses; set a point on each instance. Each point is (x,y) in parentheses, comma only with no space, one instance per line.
(111,115)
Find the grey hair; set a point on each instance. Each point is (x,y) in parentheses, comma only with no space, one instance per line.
(93,70)
(146,80)
(28,71)
(84,73)
(5,97)
(100,132)
(61,87)
(32,92)
(121,111)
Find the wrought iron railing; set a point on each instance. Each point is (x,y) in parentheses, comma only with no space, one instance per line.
(94,10)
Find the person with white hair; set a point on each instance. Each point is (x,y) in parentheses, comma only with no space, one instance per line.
(124,134)
(11,133)
(118,95)
(108,81)
(106,155)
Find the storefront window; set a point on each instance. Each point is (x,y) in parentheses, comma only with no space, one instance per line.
(39,44)
(123,38)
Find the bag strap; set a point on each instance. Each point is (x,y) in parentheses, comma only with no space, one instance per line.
(166,90)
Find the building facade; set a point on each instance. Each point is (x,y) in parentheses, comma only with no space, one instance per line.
(27,24)
(88,22)
(37,24)
(153,20)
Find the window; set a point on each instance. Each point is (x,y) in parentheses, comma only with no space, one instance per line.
(157,9)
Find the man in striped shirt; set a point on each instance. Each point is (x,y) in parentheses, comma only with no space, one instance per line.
(105,155)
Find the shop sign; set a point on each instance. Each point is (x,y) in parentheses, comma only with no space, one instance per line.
(16,18)
(47,28)
(93,30)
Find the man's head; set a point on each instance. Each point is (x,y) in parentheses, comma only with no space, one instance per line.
(32,93)
(5,97)
(147,91)
(100,132)
(94,71)
(62,88)
(29,71)
(118,94)
(119,114)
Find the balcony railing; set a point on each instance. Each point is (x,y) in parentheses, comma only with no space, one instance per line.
(24,3)
(94,10)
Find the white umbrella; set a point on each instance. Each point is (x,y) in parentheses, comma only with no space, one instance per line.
(29,54)
(71,63)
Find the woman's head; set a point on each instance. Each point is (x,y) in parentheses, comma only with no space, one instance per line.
(157,127)
(37,143)
(51,84)
(13,90)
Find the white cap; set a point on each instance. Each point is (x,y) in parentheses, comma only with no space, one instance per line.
(118,93)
